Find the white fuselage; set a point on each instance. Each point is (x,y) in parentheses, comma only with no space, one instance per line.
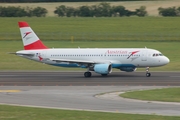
(126,57)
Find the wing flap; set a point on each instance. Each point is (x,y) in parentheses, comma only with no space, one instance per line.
(73,61)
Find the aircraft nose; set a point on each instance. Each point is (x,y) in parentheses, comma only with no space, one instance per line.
(166,60)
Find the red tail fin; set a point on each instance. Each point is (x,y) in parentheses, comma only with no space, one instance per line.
(30,39)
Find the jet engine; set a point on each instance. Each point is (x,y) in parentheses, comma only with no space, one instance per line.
(103,69)
(128,69)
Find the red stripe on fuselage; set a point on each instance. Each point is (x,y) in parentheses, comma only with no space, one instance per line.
(36,45)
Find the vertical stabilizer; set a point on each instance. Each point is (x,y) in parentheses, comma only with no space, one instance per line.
(29,38)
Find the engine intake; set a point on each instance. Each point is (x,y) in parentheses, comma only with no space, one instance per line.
(103,68)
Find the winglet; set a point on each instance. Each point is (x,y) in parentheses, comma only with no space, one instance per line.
(30,39)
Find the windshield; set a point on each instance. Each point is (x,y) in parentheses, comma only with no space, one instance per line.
(157,54)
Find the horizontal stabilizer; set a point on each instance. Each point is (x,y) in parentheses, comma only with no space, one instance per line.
(22,54)
(25,54)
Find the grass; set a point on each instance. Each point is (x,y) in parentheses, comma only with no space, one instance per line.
(125,28)
(165,95)
(26,113)
(161,33)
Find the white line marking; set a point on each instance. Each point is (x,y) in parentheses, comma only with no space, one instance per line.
(174,76)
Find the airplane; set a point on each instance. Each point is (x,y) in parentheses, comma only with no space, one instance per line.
(99,60)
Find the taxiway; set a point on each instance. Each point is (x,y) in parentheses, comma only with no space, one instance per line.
(70,90)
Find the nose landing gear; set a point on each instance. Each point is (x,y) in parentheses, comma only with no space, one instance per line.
(148,74)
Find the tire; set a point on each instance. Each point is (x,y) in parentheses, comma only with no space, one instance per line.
(148,74)
(87,74)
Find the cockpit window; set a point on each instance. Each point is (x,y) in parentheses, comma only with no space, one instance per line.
(157,54)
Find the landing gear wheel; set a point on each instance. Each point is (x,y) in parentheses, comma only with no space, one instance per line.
(87,74)
(148,74)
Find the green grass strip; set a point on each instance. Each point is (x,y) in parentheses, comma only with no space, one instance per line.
(28,113)
(120,28)
(165,95)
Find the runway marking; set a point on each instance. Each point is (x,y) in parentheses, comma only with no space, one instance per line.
(8,75)
(174,76)
(9,91)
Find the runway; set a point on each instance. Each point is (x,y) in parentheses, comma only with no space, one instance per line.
(78,79)
(70,90)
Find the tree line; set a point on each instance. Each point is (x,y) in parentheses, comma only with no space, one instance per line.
(105,10)
(170,11)
(12,11)
(99,10)
(35,1)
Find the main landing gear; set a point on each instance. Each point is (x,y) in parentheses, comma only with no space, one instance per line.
(87,74)
(148,74)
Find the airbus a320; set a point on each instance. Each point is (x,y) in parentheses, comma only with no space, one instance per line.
(99,60)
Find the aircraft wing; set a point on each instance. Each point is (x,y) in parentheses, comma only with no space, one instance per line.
(76,61)
(73,61)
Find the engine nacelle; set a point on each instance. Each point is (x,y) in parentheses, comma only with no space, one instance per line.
(103,68)
(128,69)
